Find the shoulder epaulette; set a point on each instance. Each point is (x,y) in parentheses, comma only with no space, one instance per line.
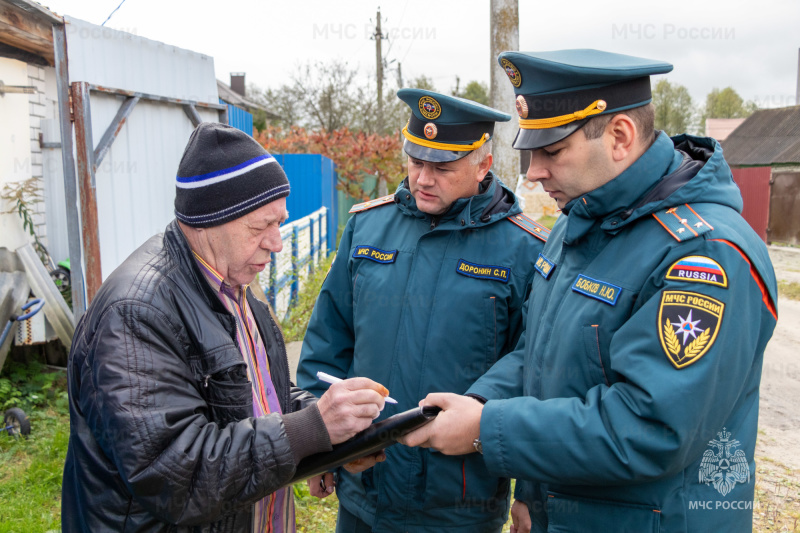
(530,225)
(383,200)
(683,222)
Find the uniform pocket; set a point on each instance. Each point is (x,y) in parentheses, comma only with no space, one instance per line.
(490,314)
(572,514)
(462,482)
(594,352)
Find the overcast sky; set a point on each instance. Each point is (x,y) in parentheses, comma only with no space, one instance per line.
(750,46)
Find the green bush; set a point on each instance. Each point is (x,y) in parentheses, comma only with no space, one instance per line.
(294,326)
(30,386)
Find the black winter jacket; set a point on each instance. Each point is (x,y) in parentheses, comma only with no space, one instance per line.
(162,434)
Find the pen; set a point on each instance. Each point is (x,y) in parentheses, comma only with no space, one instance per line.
(327,378)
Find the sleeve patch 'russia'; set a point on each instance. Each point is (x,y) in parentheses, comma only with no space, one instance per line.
(699,269)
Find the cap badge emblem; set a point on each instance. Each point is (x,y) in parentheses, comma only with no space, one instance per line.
(512,71)
(430,130)
(429,108)
(522,106)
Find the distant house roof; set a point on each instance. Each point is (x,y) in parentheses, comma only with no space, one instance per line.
(720,128)
(767,137)
(229,96)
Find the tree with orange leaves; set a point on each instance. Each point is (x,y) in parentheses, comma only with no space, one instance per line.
(355,154)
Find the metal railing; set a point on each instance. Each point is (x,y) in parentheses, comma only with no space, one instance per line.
(304,246)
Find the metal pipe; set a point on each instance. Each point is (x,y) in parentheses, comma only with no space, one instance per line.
(87,187)
(154,97)
(70,184)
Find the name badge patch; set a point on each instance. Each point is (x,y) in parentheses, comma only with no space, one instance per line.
(599,290)
(375,254)
(688,324)
(544,266)
(699,269)
(497,273)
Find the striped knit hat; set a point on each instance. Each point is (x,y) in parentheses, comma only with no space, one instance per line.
(223,175)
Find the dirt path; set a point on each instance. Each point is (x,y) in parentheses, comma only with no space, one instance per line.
(779,413)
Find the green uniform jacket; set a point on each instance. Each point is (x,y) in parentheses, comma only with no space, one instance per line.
(637,407)
(424,305)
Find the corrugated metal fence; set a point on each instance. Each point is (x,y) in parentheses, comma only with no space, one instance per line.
(239,118)
(313,181)
(784,212)
(755,187)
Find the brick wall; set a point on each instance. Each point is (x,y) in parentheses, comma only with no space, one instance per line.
(36,106)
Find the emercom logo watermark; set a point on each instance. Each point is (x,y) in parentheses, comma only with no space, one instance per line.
(354,31)
(649,32)
(713,505)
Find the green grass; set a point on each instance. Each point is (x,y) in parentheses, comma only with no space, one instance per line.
(30,474)
(789,289)
(313,515)
(547,221)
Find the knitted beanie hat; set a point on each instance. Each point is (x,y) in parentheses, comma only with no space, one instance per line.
(223,175)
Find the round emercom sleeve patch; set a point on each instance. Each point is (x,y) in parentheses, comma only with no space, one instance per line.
(688,324)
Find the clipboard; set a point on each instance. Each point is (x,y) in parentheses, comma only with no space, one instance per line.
(373,439)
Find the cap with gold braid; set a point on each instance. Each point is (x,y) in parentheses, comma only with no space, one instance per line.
(558,92)
(446,128)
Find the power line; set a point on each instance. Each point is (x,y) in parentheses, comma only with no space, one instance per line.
(112,13)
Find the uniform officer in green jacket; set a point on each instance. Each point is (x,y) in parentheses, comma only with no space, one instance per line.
(637,405)
(426,294)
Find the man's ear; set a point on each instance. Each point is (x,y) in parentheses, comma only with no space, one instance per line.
(484,166)
(621,133)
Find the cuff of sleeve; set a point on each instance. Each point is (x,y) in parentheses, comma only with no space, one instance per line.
(492,431)
(480,390)
(476,397)
(307,432)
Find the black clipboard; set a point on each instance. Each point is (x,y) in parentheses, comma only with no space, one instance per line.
(373,439)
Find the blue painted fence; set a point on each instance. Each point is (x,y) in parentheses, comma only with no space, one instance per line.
(313,181)
(239,118)
(305,244)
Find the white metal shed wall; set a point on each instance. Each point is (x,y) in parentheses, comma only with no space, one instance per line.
(135,182)
(117,59)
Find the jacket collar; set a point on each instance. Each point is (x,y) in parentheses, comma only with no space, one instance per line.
(621,192)
(495,201)
(179,250)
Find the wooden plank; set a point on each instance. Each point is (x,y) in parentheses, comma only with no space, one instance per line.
(26,32)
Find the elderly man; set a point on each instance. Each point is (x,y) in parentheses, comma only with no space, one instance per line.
(636,406)
(182,414)
(426,293)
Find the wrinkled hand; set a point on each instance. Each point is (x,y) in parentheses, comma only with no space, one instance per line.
(520,518)
(368,461)
(322,485)
(350,406)
(454,429)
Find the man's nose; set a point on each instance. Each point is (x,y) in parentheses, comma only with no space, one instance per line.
(536,170)
(272,240)
(426,175)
